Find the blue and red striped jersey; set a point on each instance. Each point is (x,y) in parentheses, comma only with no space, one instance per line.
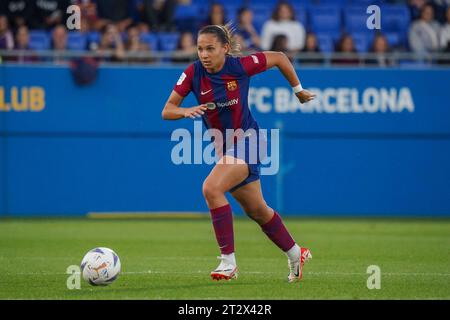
(227,88)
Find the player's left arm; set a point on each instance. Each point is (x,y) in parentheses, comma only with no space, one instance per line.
(282,62)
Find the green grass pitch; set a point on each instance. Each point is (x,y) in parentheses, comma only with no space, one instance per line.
(171,259)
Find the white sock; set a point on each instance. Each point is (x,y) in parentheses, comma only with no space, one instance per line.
(230,258)
(293,253)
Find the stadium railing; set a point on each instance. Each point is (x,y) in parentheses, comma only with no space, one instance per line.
(393,59)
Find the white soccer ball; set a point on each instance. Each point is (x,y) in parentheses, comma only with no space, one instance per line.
(100,266)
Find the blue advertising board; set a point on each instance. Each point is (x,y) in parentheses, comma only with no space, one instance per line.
(374,142)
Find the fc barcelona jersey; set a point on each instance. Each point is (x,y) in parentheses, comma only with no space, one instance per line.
(227,88)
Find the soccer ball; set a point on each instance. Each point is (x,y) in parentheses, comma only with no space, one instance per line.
(100,266)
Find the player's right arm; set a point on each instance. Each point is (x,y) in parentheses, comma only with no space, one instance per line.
(173,111)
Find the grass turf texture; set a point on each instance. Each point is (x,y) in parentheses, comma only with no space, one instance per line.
(172,259)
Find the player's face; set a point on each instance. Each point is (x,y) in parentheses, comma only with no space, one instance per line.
(211,52)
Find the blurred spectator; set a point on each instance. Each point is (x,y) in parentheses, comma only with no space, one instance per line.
(186,49)
(280,43)
(6,36)
(445,33)
(111,44)
(312,47)
(89,17)
(283,22)
(158,14)
(59,44)
(380,47)
(59,38)
(49,13)
(23,43)
(415,7)
(347,52)
(137,49)
(246,29)
(114,11)
(423,33)
(134,43)
(17,11)
(216,15)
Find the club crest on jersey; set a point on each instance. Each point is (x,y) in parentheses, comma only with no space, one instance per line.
(232,85)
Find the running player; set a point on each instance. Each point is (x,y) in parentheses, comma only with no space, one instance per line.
(220,82)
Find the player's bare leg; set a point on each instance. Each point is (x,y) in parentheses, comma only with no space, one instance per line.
(252,202)
(227,173)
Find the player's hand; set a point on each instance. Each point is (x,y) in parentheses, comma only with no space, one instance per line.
(305,96)
(195,112)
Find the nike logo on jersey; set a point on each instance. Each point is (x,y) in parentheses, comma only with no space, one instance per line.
(205,92)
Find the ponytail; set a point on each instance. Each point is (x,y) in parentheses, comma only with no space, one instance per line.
(225,34)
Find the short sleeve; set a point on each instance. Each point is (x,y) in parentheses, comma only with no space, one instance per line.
(254,63)
(184,83)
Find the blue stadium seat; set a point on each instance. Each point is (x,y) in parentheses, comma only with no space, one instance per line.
(301,14)
(326,42)
(395,18)
(39,40)
(394,39)
(355,19)
(362,41)
(168,40)
(76,41)
(189,17)
(325,19)
(150,39)
(94,36)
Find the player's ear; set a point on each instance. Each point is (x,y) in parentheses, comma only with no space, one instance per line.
(227,48)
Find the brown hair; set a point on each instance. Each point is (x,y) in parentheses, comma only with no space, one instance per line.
(276,11)
(225,35)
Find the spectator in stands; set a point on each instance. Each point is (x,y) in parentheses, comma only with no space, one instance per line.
(380,47)
(186,49)
(415,7)
(137,49)
(6,36)
(159,14)
(423,33)
(280,43)
(111,44)
(216,15)
(283,22)
(134,43)
(246,29)
(17,11)
(23,43)
(113,12)
(49,13)
(346,50)
(59,38)
(445,33)
(312,49)
(89,17)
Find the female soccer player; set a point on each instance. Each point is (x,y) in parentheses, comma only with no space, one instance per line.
(220,82)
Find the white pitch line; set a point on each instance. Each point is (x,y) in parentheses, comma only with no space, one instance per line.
(413,274)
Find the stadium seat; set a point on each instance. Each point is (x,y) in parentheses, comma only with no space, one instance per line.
(94,36)
(39,40)
(326,42)
(76,41)
(362,41)
(168,41)
(189,17)
(355,19)
(394,39)
(150,39)
(301,14)
(325,19)
(395,18)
